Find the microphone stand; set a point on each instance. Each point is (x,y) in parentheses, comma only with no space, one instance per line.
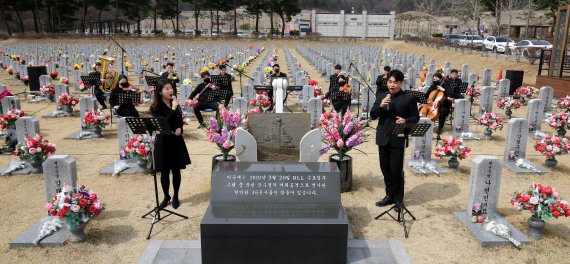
(240,74)
(367,93)
(122,54)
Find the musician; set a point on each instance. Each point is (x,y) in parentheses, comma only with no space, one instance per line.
(203,103)
(127,108)
(454,82)
(107,85)
(97,90)
(276,74)
(340,105)
(171,76)
(170,153)
(445,106)
(227,87)
(334,77)
(381,81)
(399,108)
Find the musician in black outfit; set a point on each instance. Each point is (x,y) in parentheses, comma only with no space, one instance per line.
(276,74)
(171,76)
(226,87)
(399,108)
(97,92)
(334,77)
(202,93)
(170,153)
(340,105)
(381,81)
(447,105)
(127,108)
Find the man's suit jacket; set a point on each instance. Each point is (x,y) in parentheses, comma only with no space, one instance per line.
(402,105)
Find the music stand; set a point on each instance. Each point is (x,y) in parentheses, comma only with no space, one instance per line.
(340,96)
(224,82)
(91,81)
(414,130)
(333,81)
(463,87)
(130,97)
(263,88)
(149,126)
(420,97)
(152,80)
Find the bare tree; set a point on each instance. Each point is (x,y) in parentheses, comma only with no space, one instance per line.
(432,7)
(510,6)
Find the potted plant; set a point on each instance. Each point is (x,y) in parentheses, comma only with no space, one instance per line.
(67,102)
(77,206)
(138,148)
(342,135)
(559,121)
(260,103)
(507,104)
(221,130)
(454,149)
(34,151)
(8,124)
(551,146)
(543,202)
(97,120)
(491,121)
(525,93)
(564,104)
(48,91)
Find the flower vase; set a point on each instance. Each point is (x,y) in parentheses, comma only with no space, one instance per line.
(36,165)
(508,112)
(97,131)
(487,132)
(77,234)
(561,132)
(51,97)
(68,109)
(220,158)
(11,139)
(535,227)
(345,168)
(551,162)
(453,163)
(143,165)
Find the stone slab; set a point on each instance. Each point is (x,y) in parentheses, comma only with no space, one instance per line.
(57,114)
(25,171)
(75,135)
(513,167)
(438,167)
(359,252)
(26,239)
(133,168)
(487,239)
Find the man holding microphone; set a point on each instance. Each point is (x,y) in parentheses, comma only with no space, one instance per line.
(394,106)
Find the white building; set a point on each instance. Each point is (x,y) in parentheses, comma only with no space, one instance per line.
(354,25)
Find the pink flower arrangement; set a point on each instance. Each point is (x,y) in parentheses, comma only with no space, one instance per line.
(138,148)
(25,80)
(491,121)
(47,89)
(542,201)
(76,204)
(525,93)
(342,135)
(551,146)
(222,130)
(564,104)
(453,148)
(559,121)
(317,91)
(508,103)
(67,99)
(34,148)
(473,92)
(8,120)
(5,93)
(95,118)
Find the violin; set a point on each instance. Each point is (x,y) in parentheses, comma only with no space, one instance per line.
(431,109)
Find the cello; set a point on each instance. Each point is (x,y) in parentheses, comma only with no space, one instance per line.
(431,109)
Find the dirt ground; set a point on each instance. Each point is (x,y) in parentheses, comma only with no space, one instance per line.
(118,235)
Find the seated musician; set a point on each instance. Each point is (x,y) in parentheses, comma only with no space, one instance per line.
(334,77)
(107,84)
(445,106)
(340,105)
(97,91)
(202,94)
(276,74)
(171,76)
(227,87)
(127,107)
(381,81)
(454,82)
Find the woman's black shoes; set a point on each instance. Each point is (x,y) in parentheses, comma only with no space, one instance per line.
(175,202)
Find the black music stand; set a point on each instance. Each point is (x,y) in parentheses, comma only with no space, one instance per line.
(149,126)
(224,82)
(414,130)
(91,81)
(340,96)
(290,89)
(333,79)
(420,97)
(463,87)
(152,80)
(129,97)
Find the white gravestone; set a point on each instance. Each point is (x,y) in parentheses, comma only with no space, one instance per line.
(240,104)
(515,148)
(546,94)
(59,170)
(307,93)
(486,103)
(487,77)
(534,115)
(246,146)
(421,161)
(504,86)
(310,146)
(27,126)
(10,103)
(461,116)
(315,108)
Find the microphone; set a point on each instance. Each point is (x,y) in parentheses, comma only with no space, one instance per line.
(350,66)
(388,106)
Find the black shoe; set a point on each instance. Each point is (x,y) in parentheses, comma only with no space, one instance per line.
(438,138)
(386,201)
(398,207)
(164,202)
(175,202)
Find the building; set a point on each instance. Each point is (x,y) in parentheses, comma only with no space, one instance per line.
(362,25)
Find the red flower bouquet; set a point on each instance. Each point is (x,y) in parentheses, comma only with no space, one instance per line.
(551,146)
(453,148)
(508,103)
(67,99)
(8,120)
(260,102)
(564,104)
(559,121)
(138,148)
(491,121)
(34,148)
(53,75)
(525,93)
(76,204)
(542,201)
(96,119)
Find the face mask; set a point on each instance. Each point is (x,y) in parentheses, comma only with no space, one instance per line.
(342,83)
(207,80)
(437,82)
(124,85)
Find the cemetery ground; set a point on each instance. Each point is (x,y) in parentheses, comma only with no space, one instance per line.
(437,236)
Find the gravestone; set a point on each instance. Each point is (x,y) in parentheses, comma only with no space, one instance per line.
(486,101)
(461,116)
(278,134)
(124,133)
(484,187)
(185,91)
(27,126)
(315,109)
(504,86)
(421,161)
(310,146)
(307,94)
(464,72)
(10,103)
(546,94)
(240,104)
(429,79)
(368,98)
(246,146)
(59,170)
(487,77)
(86,104)
(268,211)
(534,116)
(472,79)
(515,148)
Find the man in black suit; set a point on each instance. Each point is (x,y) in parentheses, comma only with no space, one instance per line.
(276,74)
(226,87)
(333,79)
(398,108)
(171,76)
(381,81)
(453,82)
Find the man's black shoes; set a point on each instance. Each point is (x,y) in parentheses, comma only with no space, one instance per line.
(386,201)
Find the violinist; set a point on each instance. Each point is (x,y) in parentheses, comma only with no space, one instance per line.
(202,100)
(228,87)
(334,77)
(381,81)
(340,105)
(444,107)
(126,108)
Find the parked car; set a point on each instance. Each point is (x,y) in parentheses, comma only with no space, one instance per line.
(529,47)
(498,43)
(454,38)
(475,40)
(242,34)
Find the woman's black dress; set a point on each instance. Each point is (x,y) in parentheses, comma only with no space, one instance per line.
(170,150)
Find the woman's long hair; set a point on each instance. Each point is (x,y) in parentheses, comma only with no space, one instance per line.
(157,102)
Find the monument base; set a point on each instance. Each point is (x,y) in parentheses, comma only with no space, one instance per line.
(487,239)
(58,114)
(426,167)
(513,166)
(133,168)
(24,171)
(467,135)
(82,134)
(27,238)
